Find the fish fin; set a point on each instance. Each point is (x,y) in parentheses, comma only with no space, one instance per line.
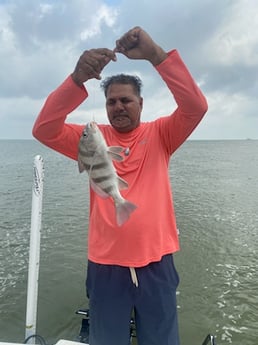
(98,190)
(81,166)
(122,184)
(123,211)
(116,149)
(113,152)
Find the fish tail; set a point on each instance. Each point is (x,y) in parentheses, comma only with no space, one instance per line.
(123,211)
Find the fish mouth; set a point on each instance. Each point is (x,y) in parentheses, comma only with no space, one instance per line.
(92,126)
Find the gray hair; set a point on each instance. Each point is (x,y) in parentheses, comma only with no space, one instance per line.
(122,79)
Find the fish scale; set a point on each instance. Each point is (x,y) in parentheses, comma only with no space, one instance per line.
(96,158)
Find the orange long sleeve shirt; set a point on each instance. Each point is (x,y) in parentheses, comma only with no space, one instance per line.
(151,230)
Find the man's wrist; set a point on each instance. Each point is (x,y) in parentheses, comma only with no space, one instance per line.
(76,80)
(158,57)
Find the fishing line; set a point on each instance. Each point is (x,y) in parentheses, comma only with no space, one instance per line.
(94,88)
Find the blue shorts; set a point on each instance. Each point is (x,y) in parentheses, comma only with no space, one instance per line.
(113,297)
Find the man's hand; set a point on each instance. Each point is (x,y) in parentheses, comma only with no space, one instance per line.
(91,63)
(137,44)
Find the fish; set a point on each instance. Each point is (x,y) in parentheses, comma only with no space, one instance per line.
(96,158)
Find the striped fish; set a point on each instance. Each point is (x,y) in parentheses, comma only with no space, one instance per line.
(96,158)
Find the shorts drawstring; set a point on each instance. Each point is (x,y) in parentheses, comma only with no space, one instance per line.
(134,276)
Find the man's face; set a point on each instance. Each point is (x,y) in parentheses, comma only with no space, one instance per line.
(123,107)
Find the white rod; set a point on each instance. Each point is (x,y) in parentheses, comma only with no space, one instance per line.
(34,254)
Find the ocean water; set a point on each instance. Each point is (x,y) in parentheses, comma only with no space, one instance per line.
(216,196)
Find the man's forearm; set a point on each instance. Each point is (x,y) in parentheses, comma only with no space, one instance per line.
(67,97)
(186,92)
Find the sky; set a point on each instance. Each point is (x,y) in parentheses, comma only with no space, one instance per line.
(41,42)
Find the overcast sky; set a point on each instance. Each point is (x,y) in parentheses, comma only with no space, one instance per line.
(41,41)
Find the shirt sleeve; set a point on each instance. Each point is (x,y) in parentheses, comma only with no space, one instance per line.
(50,127)
(191,103)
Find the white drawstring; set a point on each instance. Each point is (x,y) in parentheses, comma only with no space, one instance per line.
(134,276)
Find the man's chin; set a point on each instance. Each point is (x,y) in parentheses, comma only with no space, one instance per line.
(121,123)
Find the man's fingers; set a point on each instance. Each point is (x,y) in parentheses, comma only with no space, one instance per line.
(91,64)
(128,41)
(93,61)
(103,53)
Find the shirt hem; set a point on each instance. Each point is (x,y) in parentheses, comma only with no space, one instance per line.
(131,263)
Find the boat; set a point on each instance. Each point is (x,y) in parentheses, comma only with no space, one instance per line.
(31,336)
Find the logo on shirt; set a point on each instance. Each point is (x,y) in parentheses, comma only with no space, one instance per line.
(143,141)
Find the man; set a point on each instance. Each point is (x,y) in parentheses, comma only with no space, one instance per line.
(148,239)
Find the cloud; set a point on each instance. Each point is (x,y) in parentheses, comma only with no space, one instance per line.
(104,15)
(41,42)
